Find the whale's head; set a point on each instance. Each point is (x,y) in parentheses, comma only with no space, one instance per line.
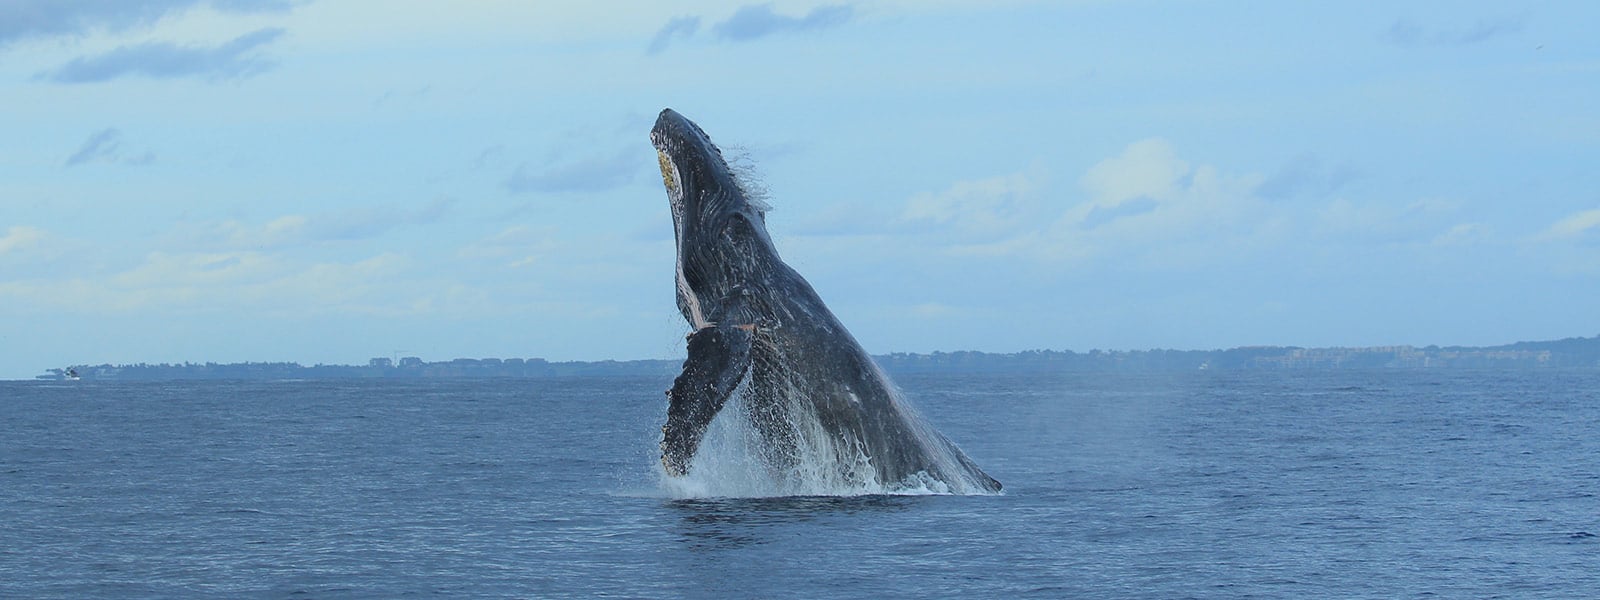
(720,229)
(701,188)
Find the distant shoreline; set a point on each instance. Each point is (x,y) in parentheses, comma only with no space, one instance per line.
(1566,353)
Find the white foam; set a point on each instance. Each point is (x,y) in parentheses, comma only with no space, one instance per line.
(736,461)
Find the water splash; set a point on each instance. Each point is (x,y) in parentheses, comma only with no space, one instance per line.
(736,459)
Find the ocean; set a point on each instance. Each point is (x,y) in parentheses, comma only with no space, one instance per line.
(1216,484)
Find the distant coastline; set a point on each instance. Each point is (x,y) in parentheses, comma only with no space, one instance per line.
(1565,353)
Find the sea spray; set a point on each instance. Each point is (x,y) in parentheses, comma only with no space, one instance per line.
(738,459)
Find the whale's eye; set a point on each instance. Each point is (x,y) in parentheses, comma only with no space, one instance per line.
(667,171)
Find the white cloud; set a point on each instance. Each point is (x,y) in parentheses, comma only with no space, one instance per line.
(335,226)
(516,246)
(239,283)
(1148,194)
(933,310)
(982,209)
(1380,220)
(19,239)
(1146,169)
(1462,234)
(1148,202)
(1573,226)
(187,270)
(1147,205)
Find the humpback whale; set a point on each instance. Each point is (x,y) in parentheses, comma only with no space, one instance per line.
(762,337)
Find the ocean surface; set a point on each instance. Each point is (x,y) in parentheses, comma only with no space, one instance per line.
(1335,484)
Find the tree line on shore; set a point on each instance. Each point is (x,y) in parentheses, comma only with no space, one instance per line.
(1566,353)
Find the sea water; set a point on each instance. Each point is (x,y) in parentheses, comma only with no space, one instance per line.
(1349,484)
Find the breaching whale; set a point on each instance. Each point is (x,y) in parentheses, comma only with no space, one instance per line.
(762,336)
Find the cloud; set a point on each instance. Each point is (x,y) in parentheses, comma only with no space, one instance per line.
(977,209)
(372,221)
(1462,234)
(342,226)
(1382,221)
(1405,32)
(589,175)
(680,27)
(516,246)
(1573,226)
(1146,169)
(162,269)
(19,239)
(106,146)
(234,59)
(1102,215)
(933,310)
(1151,201)
(1305,174)
(1146,206)
(253,6)
(24,19)
(750,22)
(189,282)
(101,145)
(754,21)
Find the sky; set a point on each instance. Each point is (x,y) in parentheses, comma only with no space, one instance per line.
(327,181)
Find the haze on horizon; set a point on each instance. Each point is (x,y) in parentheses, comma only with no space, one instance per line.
(319,181)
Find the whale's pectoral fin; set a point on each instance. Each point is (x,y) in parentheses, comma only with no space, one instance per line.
(719,357)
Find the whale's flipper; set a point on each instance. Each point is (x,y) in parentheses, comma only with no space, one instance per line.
(719,358)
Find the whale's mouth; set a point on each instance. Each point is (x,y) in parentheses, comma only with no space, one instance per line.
(671,177)
(669,172)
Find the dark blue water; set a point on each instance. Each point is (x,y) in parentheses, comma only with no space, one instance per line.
(1381,484)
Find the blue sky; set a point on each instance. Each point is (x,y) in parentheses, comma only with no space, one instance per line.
(328,181)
